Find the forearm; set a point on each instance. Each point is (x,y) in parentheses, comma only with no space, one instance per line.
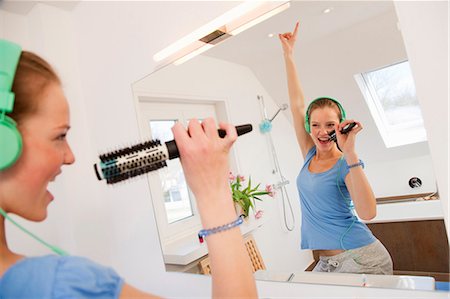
(233,275)
(360,190)
(297,104)
(204,157)
(297,99)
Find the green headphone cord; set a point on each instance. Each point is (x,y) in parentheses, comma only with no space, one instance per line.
(348,201)
(55,249)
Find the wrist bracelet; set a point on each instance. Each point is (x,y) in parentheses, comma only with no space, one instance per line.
(360,163)
(206,232)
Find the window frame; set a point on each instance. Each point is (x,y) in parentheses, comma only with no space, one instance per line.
(185,228)
(392,135)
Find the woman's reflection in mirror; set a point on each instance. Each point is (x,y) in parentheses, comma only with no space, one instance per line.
(332,183)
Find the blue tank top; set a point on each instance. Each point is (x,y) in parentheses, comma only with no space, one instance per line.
(57,277)
(326,209)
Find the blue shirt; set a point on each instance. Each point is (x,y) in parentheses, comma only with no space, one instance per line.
(52,276)
(327,218)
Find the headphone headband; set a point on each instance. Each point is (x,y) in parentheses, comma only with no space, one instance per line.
(341,109)
(9,58)
(10,138)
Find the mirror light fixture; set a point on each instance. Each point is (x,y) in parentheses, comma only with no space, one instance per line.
(231,23)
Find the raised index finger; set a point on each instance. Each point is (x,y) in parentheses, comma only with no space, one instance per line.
(296,29)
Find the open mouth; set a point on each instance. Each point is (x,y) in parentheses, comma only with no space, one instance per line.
(324,140)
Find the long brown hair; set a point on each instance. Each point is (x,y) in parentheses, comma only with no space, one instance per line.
(32,76)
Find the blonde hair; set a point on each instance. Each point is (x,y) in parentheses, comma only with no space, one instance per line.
(32,76)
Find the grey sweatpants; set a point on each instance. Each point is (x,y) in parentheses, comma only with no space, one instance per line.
(369,259)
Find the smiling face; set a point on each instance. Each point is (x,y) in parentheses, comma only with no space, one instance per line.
(322,122)
(23,187)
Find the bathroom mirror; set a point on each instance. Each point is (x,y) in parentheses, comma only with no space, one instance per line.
(242,80)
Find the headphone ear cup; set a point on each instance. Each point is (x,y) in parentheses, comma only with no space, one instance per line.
(10,143)
(343,115)
(307,127)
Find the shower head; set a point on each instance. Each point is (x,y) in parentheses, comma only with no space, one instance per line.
(282,107)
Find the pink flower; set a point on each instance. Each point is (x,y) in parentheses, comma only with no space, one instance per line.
(231,176)
(259,214)
(270,190)
(241,178)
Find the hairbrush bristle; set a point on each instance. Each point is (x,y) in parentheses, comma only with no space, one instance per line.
(333,136)
(118,177)
(132,161)
(129,150)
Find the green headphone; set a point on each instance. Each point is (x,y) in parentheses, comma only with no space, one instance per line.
(10,138)
(307,124)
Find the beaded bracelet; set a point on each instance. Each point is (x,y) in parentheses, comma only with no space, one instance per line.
(206,232)
(360,163)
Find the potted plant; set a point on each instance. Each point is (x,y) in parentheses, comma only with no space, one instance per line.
(244,195)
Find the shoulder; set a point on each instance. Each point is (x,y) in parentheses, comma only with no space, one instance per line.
(311,153)
(30,265)
(80,277)
(60,277)
(38,272)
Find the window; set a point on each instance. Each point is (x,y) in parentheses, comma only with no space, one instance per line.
(391,96)
(174,204)
(177,200)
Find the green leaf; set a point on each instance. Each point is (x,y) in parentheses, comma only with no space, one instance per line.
(251,204)
(248,185)
(261,193)
(256,188)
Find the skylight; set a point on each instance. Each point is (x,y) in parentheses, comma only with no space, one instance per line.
(390,94)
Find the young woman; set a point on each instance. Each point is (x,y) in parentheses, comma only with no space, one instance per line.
(330,180)
(41,112)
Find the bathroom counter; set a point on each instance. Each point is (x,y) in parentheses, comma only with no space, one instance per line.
(347,279)
(408,211)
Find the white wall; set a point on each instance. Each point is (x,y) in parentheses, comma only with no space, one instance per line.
(427,46)
(37,32)
(101,48)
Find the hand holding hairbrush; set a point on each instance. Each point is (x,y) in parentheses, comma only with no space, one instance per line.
(141,158)
(345,130)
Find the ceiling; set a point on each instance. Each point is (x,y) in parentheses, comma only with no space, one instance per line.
(24,7)
(314,24)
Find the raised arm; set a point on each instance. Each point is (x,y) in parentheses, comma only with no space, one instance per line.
(204,157)
(296,97)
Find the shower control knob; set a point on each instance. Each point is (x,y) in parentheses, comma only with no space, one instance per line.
(415,182)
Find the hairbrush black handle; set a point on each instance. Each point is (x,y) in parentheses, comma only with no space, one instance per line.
(344,130)
(173,149)
(141,158)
